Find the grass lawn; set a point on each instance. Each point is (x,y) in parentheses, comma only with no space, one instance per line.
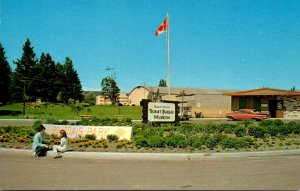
(61,111)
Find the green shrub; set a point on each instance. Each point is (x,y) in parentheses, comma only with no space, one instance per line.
(148,132)
(183,143)
(64,122)
(296,125)
(229,128)
(186,128)
(189,140)
(278,122)
(114,120)
(155,142)
(218,128)
(83,122)
(112,138)
(250,141)
(11,130)
(210,128)
(127,120)
(105,145)
(272,130)
(90,136)
(237,143)
(198,143)
(256,131)
(286,129)
(28,131)
(176,141)
(214,140)
(137,130)
(240,131)
(241,143)
(228,142)
(52,121)
(267,123)
(291,127)
(246,123)
(140,141)
(196,128)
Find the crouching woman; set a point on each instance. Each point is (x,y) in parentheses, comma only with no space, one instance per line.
(57,149)
(40,145)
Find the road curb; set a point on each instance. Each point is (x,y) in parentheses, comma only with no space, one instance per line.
(166,156)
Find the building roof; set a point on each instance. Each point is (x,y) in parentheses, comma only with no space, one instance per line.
(263,92)
(176,91)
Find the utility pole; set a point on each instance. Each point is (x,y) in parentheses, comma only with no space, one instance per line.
(182,94)
(24,96)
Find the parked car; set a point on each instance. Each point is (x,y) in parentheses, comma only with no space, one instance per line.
(247,114)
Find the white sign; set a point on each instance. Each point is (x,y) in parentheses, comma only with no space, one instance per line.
(78,131)
(161,112)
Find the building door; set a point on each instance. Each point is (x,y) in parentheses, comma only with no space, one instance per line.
(257,104)
(272,107)
(242,103)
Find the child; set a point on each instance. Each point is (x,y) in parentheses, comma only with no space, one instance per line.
(63,144)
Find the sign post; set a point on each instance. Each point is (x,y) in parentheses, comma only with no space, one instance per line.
(160,112)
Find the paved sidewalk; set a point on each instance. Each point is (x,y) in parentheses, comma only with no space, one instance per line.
(166,156)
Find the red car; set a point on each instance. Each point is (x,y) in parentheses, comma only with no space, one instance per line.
(247,114)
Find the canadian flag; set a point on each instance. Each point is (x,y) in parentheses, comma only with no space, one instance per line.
(162,28)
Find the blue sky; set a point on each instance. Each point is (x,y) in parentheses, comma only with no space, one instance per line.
(218,44)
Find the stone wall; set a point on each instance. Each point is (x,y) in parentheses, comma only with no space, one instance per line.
(291,106)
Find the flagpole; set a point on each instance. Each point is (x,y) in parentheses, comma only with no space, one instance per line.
(168,54)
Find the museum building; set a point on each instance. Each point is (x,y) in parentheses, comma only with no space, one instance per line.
(280,103)
(197,102)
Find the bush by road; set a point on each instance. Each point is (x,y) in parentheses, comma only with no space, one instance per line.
(211,137)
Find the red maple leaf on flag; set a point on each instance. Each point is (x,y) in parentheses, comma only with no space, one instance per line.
(162,28)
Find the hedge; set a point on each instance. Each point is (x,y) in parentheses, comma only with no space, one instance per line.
(240,135)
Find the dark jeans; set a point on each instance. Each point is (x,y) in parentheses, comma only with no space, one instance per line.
(41,151)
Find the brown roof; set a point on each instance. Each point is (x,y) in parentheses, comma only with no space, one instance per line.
(263,91)
(176,91)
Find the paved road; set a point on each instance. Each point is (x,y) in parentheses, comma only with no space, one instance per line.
(19,170)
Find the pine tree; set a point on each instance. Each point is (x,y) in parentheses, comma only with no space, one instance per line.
(71,87)
(293,88)
(5,78)
(162,83)
(25,73)
(60,75)
(47,78)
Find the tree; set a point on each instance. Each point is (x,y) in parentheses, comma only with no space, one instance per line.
(71,86)
(60,74)
(75,106)
(47,79)
(293,88)
(162,83)
(90,98)
(5,78)
(24,74)
(110,90)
